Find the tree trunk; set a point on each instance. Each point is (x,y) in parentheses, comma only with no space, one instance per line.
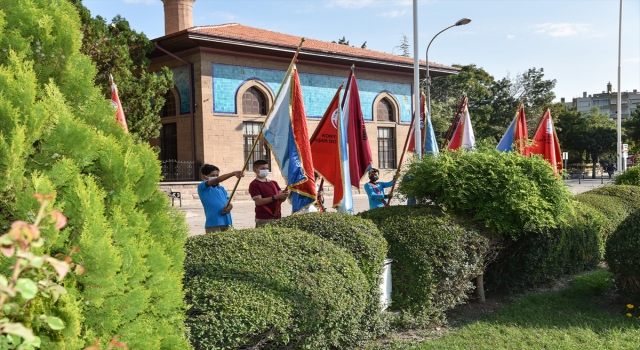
(594,158)
(480,288)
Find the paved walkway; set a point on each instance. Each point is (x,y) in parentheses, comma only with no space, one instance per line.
(243,211)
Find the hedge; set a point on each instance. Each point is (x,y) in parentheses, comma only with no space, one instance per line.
(272,288)
(436,254)
(630,176)
(614,202)
(506,192)
(540,256)
(360,238)
(623,257)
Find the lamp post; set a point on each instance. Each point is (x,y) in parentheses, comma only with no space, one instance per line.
(461,22)
(619,102)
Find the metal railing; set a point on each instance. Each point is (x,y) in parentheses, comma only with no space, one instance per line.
(174,170)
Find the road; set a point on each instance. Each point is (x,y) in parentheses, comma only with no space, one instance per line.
(243,211)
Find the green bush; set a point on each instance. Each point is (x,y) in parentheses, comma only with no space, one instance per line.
(58,135)
(615,203)
(272,288)
(505,191)
(623,256)
(630,176)
(540,256)
(437,256)
(362,240)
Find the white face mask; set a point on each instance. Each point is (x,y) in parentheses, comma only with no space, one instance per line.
(212,177)
(264,173)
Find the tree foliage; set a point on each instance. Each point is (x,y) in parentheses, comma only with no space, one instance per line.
(632,131)
(505,191)
(586,136)
(117,49)
(404,46)
(58,134)
(344,41)
(492,103)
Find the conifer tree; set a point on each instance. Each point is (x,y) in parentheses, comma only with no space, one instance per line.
(118,50)
(58,135)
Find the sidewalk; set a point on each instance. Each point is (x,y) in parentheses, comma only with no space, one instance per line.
(243,211)
(244,215)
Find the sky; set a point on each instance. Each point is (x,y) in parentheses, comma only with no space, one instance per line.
(574,41)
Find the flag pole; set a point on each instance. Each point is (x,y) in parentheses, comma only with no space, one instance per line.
(404,150)
(253,147)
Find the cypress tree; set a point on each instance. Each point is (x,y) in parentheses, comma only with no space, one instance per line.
(58,135)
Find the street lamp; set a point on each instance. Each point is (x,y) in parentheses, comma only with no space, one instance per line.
(461,22)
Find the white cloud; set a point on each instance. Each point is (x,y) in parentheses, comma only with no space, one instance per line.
(147,2)
(562,29)
(357,4)
(393,14)
(509,36)
(632,59)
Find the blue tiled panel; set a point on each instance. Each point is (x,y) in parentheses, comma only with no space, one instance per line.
(317,90)
(181,82)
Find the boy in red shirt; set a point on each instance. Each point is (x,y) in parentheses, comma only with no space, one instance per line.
(266,194)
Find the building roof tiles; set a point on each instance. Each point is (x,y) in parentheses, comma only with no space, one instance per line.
(236,31)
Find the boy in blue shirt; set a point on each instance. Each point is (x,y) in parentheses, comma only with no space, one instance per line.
(375,190)
(214,198)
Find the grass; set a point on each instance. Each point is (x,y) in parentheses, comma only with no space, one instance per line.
(571,318)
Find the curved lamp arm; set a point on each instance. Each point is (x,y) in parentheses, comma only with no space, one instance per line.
(461,22)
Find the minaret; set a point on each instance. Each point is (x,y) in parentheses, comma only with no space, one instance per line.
(178,15)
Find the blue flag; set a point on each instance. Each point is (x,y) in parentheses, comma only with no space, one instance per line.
(285,132)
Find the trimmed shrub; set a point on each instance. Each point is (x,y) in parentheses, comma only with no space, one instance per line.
(540,256)
(59,136)
(272,288)
(630,176)
(623,256)
(360,238)
(505,191)
(615,203)
(437,256)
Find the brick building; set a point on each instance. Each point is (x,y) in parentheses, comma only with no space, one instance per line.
(226,77)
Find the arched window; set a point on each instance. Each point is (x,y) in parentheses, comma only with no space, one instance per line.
(384,111)
(254,102)
(169,108)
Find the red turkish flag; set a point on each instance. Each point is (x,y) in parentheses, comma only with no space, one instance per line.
(115,101)
(325,149)
(546,142)
(521,135)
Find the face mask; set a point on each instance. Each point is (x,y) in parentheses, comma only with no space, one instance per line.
(212,177)
(264,173)
(373,178)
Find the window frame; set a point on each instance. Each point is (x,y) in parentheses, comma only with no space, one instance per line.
(170,97)
(247,142)
(257,96)
(388,105)
(387,148)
